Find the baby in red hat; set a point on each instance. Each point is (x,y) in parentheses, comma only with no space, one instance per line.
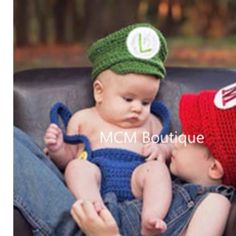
(213,115)
(205,154)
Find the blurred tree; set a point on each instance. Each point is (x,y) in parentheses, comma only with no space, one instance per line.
(104,16)
(232,24)
(42,8)
(21,22)
(124,13)
(66,21)
(59,12)
(212,18)
(203,16)
(167,15)
(77,13)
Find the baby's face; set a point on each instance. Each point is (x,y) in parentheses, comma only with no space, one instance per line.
(190,161)
(127,98)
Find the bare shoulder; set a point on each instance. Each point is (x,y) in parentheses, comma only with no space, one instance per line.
(155,124)
(219,199)
(78,119)
(215,202)
(213,211)
(83,114)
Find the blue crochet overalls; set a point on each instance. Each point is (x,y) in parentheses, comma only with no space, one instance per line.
(116,165)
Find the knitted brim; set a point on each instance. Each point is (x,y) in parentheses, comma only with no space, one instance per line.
(130,66)
(140,68)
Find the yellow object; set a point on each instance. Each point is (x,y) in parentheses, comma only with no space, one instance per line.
(83,155)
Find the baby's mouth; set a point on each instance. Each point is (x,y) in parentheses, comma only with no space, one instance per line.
(133,119)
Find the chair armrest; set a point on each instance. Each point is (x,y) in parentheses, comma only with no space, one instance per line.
(35,91)
(21,226)
(230,229)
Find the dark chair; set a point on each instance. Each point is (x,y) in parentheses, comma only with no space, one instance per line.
(35,91)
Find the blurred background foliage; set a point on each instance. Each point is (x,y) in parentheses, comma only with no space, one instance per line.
(51,33)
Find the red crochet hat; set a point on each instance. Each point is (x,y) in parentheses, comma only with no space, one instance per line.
(213,114)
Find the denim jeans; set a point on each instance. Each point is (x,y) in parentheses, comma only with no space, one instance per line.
(42,197)
(185,200)
(39,190)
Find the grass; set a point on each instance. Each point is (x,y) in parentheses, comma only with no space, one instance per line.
(199,42)
(188,51)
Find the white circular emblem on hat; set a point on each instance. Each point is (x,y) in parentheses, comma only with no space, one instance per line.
(143,43)
(225,98)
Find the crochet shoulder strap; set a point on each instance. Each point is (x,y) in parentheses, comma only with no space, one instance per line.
(160,110)
(60,110)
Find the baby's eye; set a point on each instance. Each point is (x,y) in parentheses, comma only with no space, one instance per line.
(145,103)
(128,99)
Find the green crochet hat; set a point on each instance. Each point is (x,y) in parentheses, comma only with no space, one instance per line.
(138,48)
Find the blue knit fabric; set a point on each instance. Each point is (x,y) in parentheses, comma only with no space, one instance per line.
(116,164)
(161,111)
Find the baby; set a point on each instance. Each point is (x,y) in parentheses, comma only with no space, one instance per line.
(127,68)
(205,154)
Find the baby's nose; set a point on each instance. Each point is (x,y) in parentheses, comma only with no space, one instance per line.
(136,107)
(173,153)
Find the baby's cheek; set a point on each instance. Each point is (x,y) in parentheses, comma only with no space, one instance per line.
(144,149)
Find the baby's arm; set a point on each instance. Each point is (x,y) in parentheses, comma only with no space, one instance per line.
(210,217)
(59,151)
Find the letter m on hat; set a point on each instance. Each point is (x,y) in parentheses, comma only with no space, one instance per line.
(225,98)
(228,95)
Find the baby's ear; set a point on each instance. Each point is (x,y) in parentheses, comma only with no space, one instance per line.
(216,170)
(98,91)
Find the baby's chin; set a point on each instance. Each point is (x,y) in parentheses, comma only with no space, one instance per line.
(131,123)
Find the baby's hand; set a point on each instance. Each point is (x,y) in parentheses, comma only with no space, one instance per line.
(92,221)
(153,151)
(53,138)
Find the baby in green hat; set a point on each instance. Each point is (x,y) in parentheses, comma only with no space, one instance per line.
(127,68)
